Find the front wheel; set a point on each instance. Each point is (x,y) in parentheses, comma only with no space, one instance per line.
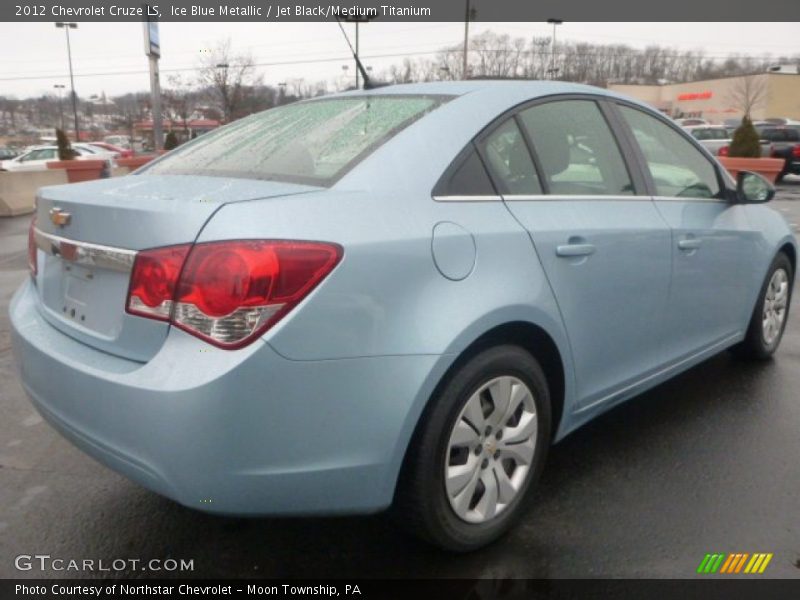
(771,312)
(480,447)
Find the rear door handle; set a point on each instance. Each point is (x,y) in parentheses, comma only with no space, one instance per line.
(689,244)
(575,250)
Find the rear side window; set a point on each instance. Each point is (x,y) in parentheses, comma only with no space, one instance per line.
(468,179)
(509,160)
(676,166)
(312,142)
(576,149)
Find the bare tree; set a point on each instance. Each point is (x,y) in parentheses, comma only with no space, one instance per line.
(230,77)
(747,93)
(179,101)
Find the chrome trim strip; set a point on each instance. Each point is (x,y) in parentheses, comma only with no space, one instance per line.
(688,199)
(84,253)
(567,198)
(467,198)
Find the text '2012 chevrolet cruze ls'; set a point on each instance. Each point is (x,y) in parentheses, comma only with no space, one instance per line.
(395,297)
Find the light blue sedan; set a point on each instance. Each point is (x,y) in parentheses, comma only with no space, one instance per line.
(398,297)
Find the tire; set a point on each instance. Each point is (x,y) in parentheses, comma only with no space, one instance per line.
(761,340)
(423,504)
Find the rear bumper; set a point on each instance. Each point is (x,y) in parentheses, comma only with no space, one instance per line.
(233,432)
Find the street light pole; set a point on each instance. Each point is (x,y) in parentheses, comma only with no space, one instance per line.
(554,23)
(60,87)
(66,27)
(466,41)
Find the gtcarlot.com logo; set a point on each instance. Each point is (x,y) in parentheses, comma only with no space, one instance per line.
(734,564)
(45,562)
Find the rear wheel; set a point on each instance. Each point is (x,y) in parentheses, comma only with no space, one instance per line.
(771,312)
(479,449)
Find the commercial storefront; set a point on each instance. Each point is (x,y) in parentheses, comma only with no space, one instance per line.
(718,100)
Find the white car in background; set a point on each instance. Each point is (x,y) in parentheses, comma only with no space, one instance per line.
(712,137)
(99,150)
(36,159)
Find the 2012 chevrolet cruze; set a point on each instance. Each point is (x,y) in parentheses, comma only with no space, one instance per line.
(393,297)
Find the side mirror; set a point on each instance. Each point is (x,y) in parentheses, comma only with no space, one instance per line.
(752,188)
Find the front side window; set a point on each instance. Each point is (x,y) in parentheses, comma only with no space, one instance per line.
(312,142)
(576,149)
(678,168)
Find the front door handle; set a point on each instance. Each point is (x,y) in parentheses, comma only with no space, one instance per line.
(689,243)
(575,250)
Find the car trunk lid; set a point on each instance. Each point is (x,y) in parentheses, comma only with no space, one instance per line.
(88,236)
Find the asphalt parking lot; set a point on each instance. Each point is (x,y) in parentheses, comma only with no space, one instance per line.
(708,462)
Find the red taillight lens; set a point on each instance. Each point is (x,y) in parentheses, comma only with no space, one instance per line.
(33,264)
(723,151)
(155,275)
(228,293)
(796,151)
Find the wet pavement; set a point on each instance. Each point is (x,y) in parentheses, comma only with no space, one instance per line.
(708,462)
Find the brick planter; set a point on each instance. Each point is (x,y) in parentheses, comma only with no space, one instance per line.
(134,162)
(81,170)
(768,167)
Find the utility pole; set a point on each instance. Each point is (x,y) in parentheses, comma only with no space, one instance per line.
(466,41)
(553,70)
(60,87)
(66,27)
(152,47)
(358,21)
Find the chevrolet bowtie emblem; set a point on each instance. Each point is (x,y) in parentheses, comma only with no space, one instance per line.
(60,218)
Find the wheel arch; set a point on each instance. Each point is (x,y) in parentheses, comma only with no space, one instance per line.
(790,251)
(529,336)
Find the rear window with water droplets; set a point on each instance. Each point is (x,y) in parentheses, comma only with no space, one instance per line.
(313,142)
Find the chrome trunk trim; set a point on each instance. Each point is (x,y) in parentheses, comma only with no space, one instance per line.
(84,253)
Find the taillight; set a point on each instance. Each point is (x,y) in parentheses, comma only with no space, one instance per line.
(231,292)
(32,259)
(723,151)
(796,151)
(153,281)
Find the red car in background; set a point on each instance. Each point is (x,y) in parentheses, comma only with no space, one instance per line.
(123,152)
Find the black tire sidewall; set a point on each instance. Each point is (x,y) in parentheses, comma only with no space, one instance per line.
(448,529)
(755,335)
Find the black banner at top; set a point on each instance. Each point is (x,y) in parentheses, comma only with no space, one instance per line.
(398,10)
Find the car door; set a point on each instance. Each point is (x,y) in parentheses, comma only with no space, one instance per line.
(714,247)
(604,247)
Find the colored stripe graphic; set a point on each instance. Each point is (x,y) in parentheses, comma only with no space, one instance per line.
(734,563)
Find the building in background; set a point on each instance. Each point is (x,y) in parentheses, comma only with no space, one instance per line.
(720,100)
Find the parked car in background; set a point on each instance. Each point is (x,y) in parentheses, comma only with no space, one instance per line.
(785,144)
(96,150)
(121,141)
(398,296)
(711,137)
(118,150)
(36,158)
(782,121)
(7,153)
(690,121)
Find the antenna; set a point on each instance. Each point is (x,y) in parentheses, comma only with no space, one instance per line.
(361,69)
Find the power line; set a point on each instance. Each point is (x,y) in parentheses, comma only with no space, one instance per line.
(599,52)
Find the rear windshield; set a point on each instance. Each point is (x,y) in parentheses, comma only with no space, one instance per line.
(313,142)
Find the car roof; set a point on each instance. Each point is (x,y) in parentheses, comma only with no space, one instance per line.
(513,91)
(427,146)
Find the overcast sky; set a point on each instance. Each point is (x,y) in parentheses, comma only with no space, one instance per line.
(37,51)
